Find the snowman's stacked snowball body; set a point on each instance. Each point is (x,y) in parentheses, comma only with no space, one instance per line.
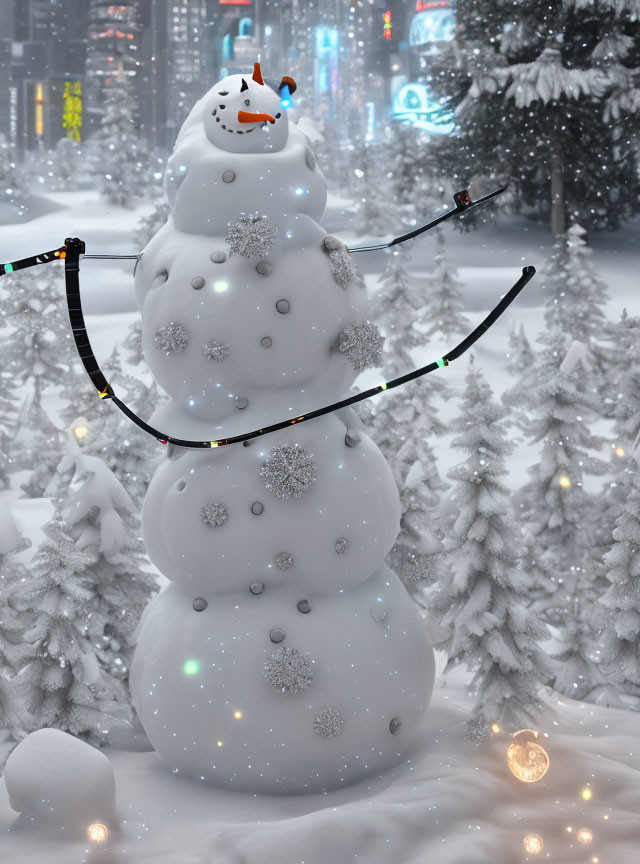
(284,657)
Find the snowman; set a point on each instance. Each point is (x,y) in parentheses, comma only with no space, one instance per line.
(284,656)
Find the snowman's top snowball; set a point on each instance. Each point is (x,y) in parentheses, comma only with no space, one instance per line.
(241,115)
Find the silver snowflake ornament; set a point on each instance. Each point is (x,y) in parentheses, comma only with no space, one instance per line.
(341,545)
(284,560)
(328,723)
(288,471)
(214,514)
(215,350)
(343,268)
(171,338)
(289,670)
(361,343)
(251,235)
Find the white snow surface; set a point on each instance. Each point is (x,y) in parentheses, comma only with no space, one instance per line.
(451,801)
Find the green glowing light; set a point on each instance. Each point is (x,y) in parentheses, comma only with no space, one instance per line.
(383,386)
(8,268)
(441,362)
(191,667)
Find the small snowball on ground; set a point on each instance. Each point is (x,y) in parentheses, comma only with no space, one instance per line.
(214,514)
(289,670)
(215,350)
(251,235)
(171,338)
(288,471)
(361,343)
(55,779)
(328,723)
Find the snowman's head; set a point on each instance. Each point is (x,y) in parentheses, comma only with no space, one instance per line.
(242,114)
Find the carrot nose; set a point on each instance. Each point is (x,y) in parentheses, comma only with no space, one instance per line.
(250,117)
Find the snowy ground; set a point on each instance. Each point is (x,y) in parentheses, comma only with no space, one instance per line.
(452,802)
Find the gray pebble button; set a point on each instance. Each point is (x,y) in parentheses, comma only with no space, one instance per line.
(218,257)
(277,635)
(351,438)
(197,282)
(257,508)
(283,306)
(256,588)
(229,176)
(266,342)
(264,268)
(241,401)
(332,243)
(199,604)
(304,606)
(310,159)
(395,725)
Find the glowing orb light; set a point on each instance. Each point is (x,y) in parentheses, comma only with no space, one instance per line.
(97,833)
(237,715)
(526,759)
(620,452)
(191,667)
(564,481)
(533,844)
(495,728)
(587,794)
(80,428)
(585,835)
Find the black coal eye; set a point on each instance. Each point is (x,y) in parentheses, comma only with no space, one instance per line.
(223,93)
(247,102)
(222,106)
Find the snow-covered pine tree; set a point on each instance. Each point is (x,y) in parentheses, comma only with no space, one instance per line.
(152,222)
(554,81)
(126,450)
(442,311)
(36,355)
(132,343)
(122,153)
(66,161)
(402,424)
(11,180)
(376,213)
(555,509)
(521,366)
(86,593)
(8,418)
(483,590)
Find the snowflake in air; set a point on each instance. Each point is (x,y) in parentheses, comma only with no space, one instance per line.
(251,235)
(214,514)
(288,471)
(215,350)
(289,670)
(171,338)
(328,723)
(343,268)
(284,560)
(476,729)
(419,569)
(342,544)
(361,343)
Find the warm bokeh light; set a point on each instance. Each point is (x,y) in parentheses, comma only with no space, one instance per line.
(585,835)
(606,816)
(587,794)
(620,452)
(595,860)
(97,833)
(237,715)
(526,759)
(533,844)
(495,728)
(569,829)
(80,428)
(219,743)
(564,481)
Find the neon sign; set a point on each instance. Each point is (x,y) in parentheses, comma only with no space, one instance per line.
(387,26)
(72,109)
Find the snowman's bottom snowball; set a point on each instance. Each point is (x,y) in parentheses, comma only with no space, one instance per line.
(199,685)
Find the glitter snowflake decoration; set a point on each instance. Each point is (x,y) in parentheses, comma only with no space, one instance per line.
(328,723)
(172,338)
(477,729)
(361,344)
(251,235)
(284,560)
(419,569)
(343,268)
(341,546)
(288,471)
(215,350)
(214,514)
(289,670)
